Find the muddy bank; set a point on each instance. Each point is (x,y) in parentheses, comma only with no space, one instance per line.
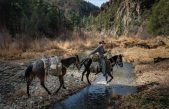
(152,80)
(13,87)
(152,72)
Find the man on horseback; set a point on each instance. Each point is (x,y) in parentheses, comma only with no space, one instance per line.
(101,51)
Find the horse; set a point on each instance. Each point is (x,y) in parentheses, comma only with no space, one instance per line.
(41,67)
(110,63)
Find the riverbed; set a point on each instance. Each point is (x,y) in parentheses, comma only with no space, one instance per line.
(99,95)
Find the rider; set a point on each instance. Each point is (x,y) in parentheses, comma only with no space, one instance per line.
(101,50)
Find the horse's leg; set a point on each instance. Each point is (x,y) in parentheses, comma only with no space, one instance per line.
(106,77)
(83,73)
(87,76)
(42,81)
(28,84)
(43,85)
(109,73)
(29,77)
(61,83)
(62,79)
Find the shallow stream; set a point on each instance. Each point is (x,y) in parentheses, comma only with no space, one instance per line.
(99,95)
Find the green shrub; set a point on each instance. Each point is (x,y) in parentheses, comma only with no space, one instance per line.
(159,20)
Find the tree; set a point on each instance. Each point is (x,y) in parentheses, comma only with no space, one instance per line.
(159,20)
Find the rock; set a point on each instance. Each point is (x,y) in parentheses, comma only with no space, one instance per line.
(77,81)
(21,73)
(143,45)
(72,75)
(21,64)
(158,59)
(160,43)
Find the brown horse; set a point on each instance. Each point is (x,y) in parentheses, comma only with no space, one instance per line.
(40,69)
(65,64)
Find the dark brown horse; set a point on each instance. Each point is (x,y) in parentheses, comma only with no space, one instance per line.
(110,63)
(40,68)
(65,64)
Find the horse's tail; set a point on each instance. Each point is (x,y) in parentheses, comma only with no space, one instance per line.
(28,71)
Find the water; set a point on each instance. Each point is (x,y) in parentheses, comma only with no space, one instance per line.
(99,94)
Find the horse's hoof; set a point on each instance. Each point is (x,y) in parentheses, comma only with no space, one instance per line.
(64,87)
(29,96)
(55,93)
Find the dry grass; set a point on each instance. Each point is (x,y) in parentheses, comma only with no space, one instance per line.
(152,96)
(148,99)
(148,73)
(25,48)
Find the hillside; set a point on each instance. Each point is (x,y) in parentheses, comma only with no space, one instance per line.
(131,17)
(42,17)
(80,7)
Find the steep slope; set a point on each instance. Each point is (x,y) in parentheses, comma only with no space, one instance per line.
(80,7)
(122,17)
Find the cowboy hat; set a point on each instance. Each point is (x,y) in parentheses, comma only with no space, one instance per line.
(102,42)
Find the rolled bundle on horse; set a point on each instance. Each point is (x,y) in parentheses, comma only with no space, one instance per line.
(95,57)
(54,66)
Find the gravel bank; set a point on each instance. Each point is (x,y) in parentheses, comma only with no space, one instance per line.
(13,87)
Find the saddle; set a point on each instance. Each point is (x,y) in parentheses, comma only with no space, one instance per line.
(53,65)
(95,57)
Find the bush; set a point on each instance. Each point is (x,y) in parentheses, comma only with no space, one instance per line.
(159,20)
(33,17)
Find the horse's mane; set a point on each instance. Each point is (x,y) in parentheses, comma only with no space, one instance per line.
(114,58)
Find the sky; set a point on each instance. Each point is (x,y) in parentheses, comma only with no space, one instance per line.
(97,2)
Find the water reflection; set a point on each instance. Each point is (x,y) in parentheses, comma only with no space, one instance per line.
(98,95)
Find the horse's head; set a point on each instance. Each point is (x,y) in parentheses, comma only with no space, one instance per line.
(77,62)
(119,60)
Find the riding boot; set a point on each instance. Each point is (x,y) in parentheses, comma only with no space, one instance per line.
(103,65)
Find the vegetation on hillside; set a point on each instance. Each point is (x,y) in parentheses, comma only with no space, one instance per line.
(42,17)
(125,17)
(159,19)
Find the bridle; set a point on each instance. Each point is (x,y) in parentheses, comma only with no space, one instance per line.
(119,61)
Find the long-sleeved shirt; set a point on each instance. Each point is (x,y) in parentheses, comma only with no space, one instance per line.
(100,49)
